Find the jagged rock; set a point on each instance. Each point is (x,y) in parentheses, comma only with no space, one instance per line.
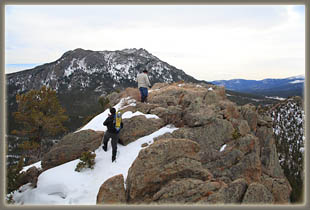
(234,192)
(220,92)
(257,194)
(280,189)
(170,115)
(210,137)
(161,162)
(164,100)
(230,109)
(211,98)
(71,147)
(261,122)
(30,176)
(112,191)
(230,194)
(269,156)
(249,168)
(185,191)
(240,159)
(250,114)
(198,119)
(198,114)
(243,128)
(138,126)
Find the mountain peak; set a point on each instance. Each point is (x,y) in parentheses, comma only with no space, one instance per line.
(85,75)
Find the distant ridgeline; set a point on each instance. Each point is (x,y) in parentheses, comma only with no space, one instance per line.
(288,87)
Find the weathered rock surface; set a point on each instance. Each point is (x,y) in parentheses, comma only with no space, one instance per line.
(170,115)
(257,194)
(71,147)
(112,191)
(206,117)
(229,194)
(240,159)
(250,114)
(185,191)
(210,137)
(269,155)
(30,176)
(161,162)
(279,188)
(137,127)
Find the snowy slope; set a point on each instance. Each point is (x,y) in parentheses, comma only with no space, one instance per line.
(62,185)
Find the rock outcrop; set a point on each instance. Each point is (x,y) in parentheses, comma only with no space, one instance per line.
(257,194)
(164,171)
(221,154)
(112,191)
(137,127)
(30,176)
(71,147)
(158,165)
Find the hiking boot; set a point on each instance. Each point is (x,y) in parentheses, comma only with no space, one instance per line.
(113,159)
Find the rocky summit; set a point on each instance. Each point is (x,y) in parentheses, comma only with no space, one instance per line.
(221,153)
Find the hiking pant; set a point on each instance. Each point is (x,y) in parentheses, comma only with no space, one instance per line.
(144,94)
(114,137)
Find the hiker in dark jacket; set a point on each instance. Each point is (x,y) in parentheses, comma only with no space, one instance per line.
(111,133)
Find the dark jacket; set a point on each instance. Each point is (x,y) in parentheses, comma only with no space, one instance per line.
(109,122)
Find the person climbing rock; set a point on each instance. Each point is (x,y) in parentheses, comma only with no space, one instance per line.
(114,125)
(143,84)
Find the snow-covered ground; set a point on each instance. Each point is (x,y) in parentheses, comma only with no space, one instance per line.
(62,185)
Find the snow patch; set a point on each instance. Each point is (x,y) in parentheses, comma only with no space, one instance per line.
(276,97)
(223,148)
(62,185)
(37,165)
(297,81)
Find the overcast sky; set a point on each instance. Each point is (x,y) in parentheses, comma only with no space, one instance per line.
(207,42)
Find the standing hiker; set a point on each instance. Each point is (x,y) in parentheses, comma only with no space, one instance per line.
(114,124)
(143,84)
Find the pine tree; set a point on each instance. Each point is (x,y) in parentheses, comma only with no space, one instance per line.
(40,115)
(14,176)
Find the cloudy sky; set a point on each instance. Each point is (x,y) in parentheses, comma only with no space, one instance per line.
(207,42)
